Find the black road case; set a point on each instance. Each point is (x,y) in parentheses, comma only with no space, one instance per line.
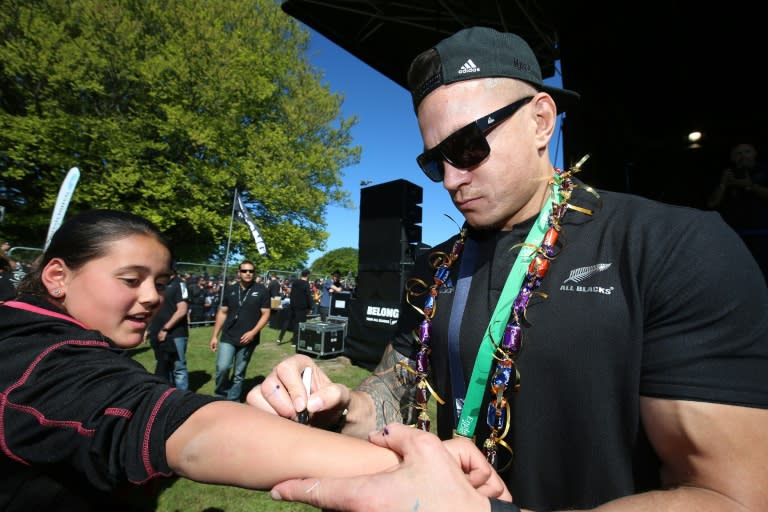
(320,339)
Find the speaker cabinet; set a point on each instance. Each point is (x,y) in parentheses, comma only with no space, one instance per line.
(380,285)
(390,217)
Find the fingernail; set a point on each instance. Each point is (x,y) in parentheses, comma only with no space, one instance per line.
(385,432)
(314,404)
(275,495)
(299,404)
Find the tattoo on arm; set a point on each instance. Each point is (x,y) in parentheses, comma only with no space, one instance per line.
(391,398)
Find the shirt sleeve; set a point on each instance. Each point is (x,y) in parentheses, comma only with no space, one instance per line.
(105,415)
(706,331)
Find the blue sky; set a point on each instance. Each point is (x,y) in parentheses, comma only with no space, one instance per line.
(388,133)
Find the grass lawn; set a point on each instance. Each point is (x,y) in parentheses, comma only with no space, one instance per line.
(187,496)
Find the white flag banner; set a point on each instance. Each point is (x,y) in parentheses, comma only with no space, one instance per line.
(242,216)
(62,202)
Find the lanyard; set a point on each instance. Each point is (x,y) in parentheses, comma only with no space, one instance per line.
(241,300)
(484,360)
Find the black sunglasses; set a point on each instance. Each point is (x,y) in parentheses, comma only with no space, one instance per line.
(467,146)
(246,271)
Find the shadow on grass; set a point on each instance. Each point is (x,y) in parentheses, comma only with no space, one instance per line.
(165,484)
(248,384)
(198,379)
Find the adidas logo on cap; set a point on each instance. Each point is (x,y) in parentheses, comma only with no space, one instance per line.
(468,67)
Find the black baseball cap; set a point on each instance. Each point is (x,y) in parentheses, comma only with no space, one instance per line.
(482,52)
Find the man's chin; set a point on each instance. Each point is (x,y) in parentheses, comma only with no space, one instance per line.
(480,225)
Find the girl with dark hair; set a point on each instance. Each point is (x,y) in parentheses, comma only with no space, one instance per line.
(81,424)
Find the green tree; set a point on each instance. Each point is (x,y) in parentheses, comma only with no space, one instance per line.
(343,259)
(167,106)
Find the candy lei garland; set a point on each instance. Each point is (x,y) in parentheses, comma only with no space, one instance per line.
(503,353)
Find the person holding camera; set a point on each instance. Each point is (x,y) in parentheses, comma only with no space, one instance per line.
(741,197)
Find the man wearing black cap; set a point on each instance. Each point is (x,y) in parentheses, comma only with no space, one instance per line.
(599,347)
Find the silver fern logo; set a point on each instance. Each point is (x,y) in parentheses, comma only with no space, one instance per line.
(578,275)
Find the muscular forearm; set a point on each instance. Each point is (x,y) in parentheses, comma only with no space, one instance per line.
(702,469)
(361,416)
(260,449)
(680,499)
(379,399)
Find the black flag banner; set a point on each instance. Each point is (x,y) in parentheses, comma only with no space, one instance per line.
(242,215)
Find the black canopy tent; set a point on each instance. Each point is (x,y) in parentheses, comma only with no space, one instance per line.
(387,35)
(649,72)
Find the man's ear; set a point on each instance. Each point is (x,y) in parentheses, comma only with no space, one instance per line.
(54,277)
(546,117)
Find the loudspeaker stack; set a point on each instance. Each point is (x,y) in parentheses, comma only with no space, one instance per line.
(390,233)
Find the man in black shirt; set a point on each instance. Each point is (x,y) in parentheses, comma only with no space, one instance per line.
(197,301)
(601,348)
(242,315)
(301,303)
(273,286)
(169,333)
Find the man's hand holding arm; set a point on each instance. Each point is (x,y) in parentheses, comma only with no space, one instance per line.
(432,476)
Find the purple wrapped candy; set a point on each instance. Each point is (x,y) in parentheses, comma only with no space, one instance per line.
(422,422)
(424,332)
(422,393)
(422,361)
(512,337)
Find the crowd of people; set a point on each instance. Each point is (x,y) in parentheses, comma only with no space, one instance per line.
(189,301)
(204,297)
(587,349)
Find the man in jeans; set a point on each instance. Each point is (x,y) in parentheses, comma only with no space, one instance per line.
(169,333)
(243,313)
